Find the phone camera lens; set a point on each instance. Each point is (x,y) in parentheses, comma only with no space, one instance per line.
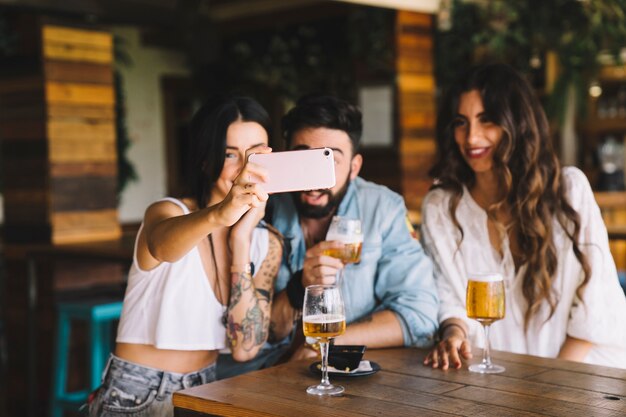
(327,152)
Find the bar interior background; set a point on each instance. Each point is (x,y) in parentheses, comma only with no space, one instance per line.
(95,98)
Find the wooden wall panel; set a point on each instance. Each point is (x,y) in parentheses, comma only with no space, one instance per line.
(83,111)
(69,44)
(96,193)
(83,169)
(613,208)
(75,151)
(58,130)
(21,85)
(28,111)
(415,103)
(81,133)
(78,72)
(26,129)
(72,226)
(79,94)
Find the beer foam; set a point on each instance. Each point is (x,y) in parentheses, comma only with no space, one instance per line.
(324,318)
(485,277)
(346,240)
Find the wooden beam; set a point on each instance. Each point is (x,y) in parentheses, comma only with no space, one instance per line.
(233,10)
(423,6)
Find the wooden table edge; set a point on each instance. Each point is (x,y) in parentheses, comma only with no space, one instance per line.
(183,401)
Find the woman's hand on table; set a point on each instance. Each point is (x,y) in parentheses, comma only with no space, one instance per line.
(450,351)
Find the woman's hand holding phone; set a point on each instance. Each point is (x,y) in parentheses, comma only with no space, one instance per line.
(244,193)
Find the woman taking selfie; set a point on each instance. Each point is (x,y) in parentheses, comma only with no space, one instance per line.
(203,270)
(502,204)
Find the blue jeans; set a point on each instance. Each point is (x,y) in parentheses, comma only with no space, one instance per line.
(129,389)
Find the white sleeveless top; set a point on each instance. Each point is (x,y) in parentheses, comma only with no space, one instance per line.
(173,305)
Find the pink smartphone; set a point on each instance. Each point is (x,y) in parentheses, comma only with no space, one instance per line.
(301,170)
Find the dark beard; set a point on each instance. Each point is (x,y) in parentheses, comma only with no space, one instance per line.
(310,211)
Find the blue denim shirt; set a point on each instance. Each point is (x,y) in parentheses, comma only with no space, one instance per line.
(394,272)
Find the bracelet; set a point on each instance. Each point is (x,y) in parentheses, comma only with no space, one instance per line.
(245,269)
(443,329)
(295,291)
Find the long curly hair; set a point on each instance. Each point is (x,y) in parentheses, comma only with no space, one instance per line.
(529,174)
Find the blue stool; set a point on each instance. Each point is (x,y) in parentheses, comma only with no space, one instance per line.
(99,315)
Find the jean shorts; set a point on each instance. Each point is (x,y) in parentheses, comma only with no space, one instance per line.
(129,389)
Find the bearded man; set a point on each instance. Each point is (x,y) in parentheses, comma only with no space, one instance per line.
(390,295)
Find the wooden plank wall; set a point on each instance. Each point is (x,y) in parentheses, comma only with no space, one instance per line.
(24,156)
(613,208)
(58,132)
(415,103)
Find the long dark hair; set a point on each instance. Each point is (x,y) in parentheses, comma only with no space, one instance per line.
(529,173)
(208,139)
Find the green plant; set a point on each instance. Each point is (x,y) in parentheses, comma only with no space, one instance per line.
(324,55)
(522,32)
(125,169)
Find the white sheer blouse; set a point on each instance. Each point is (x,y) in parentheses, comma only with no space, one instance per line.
(600,318)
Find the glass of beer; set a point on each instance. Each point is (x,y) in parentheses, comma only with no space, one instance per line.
(485,303)
(347,231)
(323,317)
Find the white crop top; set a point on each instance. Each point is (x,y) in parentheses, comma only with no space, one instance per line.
(173,305)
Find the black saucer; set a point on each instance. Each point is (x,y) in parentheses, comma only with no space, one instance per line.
(314,369)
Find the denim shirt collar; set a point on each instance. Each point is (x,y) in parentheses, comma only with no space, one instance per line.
(349,206)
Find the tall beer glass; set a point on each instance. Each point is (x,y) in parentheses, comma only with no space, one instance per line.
(348,232)
(323,317)
(485,303)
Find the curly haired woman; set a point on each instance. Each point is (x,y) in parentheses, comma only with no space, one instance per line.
(502,203)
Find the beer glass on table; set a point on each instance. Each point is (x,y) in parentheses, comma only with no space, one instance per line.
(323,317)
(485,303)
(347,231)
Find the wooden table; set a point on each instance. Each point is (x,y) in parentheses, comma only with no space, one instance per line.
(404,387)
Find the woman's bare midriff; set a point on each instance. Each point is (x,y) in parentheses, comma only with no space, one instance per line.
(180,361)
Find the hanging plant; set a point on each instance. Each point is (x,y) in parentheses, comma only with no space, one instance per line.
(126,172)
(287,61)
(522,32)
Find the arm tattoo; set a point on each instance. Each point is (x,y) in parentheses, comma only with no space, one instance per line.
(238,286)
(264,295)
(254,333)
(252,330)
(254,296)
